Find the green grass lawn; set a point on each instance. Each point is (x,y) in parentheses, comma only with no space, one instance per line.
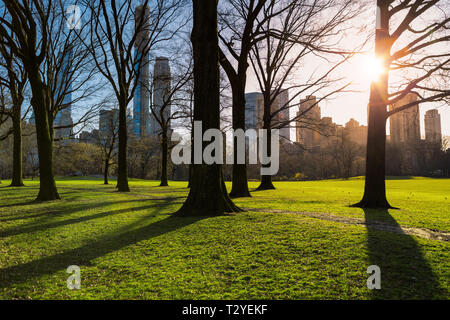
(130,247)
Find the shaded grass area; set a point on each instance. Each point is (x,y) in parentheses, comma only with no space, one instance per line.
(130,247)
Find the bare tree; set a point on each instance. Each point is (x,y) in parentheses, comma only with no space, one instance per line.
(345,152)
(415,54)
(171,91)
(14,79)
(108,139)
(114,36)
(292,33)
(37,33)
(239,31)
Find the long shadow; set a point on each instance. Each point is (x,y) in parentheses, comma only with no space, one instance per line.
(83,255)
(405,274)
(60,206)
(6,188)
(20,197)
(33,197)
(258,190)
(63,210)
(45,226)
(25,203)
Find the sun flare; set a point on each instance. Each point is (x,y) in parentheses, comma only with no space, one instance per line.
(374,68)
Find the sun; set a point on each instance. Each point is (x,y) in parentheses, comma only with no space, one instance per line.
(374,67)
(365,69)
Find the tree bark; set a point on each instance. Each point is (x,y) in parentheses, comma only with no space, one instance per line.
(239,181)
(191,169)
(238,80)
(208,195)
(122,169)
(375,188)
(17,179)
(44,136)
(190,175)
(47,186)
(105,173)
(266,180)
(164,151)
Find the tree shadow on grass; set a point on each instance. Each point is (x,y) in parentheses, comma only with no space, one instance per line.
(405,273)
(32,199)
(7,187)
(61,207)
(15,204)
(260,190)
(83,255)
(39,227)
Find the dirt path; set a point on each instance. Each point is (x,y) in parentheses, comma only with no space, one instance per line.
(374,224)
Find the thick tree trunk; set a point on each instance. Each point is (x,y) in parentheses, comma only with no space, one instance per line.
(105,173)
(191,168)
(266,183)
(164,151)
(17,179)
(44,136)
(47,188)
(375,188)
(239,182)
(122,169)
(238,80)
(266,180)
(190,175)
(208,195)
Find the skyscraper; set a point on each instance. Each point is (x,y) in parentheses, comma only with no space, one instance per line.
(64,85)
(404,126)
(108,123)
(356,132)
(141,101)
(253,110)
(433,132)
(282,102)
(309,117)
(161,92)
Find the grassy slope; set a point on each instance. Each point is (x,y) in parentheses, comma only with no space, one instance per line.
(128,245)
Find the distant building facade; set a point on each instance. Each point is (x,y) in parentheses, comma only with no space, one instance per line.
(356,132)
(89,137)
(405,125)
(254,110)
(433,133)
(254,113)
(141,101)
(161,92)
(108,122)
(64,117)
(409,150)
(282,102)
(315,132)
(308,122)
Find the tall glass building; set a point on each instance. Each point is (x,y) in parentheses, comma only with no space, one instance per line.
(141,101)
(161,92)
